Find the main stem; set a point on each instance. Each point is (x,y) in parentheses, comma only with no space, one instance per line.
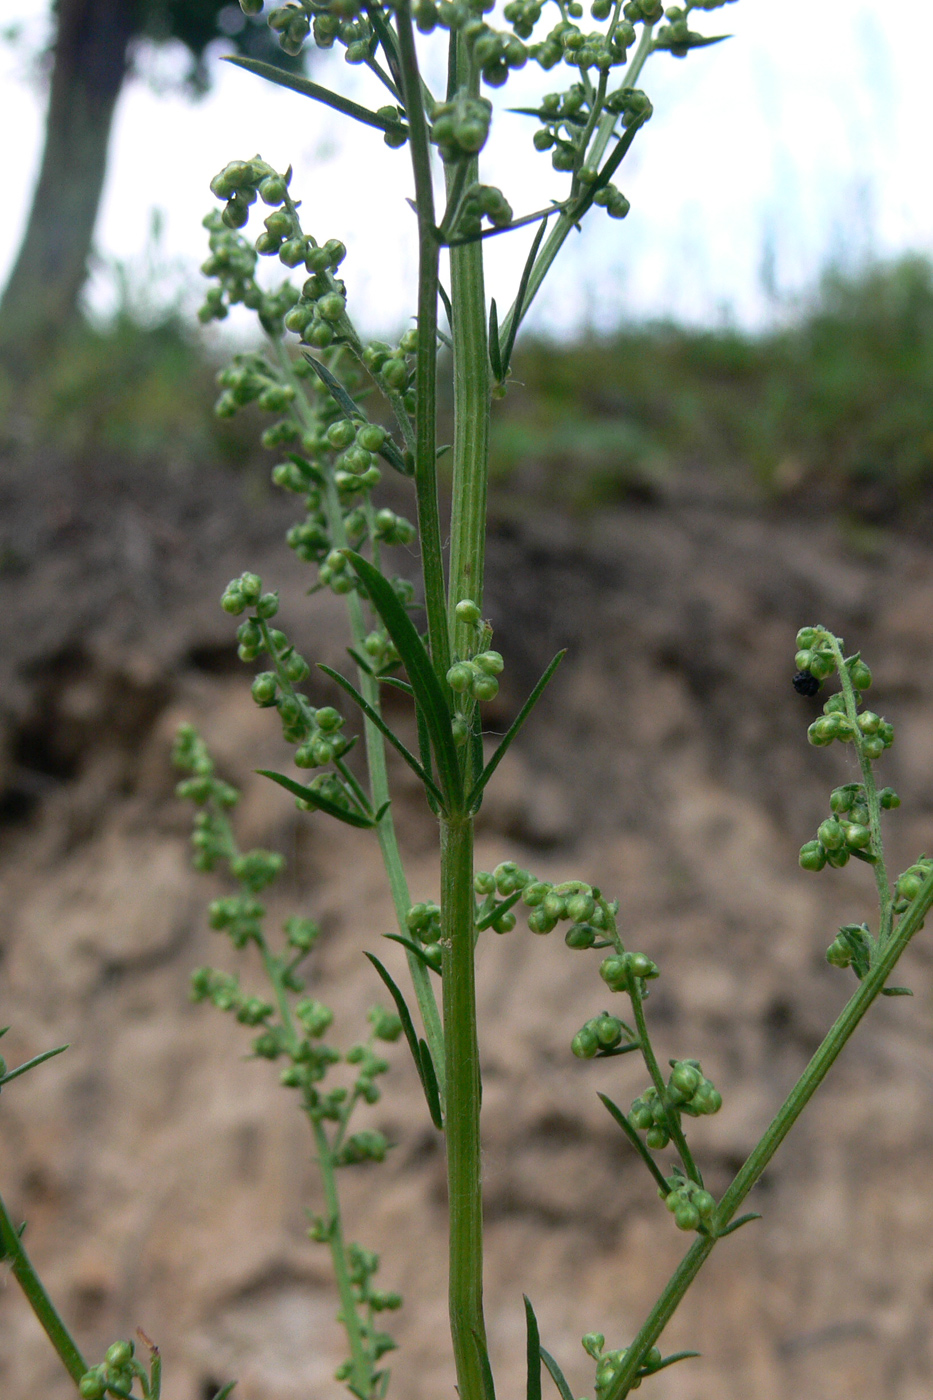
(464,1186)
(467,567)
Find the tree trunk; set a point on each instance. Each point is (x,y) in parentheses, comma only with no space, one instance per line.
(90,64)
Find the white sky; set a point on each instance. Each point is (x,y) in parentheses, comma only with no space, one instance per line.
(805,137)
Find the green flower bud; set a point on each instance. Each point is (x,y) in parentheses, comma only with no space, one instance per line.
(615,972)
(314,1017)
(593,1343)
(842,799)
(467,611)
(686,1216)
(119,1354)
(484,882)
(806,638)
(838,858)
(92,1385)
(301,933)
(233,600)
(831,834)
(433,955)
(608,1031)
(264,688)
(657,1138)
(857,837)
(489,662)
(329,719)
(812,856)
(838,954)
(869,722)
(860,674)
(821,732)
(535,893)
(705,1204)
(642,966)
(684,1081)
(460,677)
(580,936)
(540,921)
(505,922)
(585,1044)
(484,688)
(888,799)
(873,747)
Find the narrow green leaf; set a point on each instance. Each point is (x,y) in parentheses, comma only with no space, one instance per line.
(557,1375)
(31,1064)
(361,661)
(387,39)
(396,684)
(431,1091)
(890,992)
(636,1141)
(388,451)
(314,799)
(540,113)
(494,913)
(516,317)
(442,293)
(225,1390)
(494,357)
(489,1385)
(408,1027)
(512,731)
(428,692)
(737,1224)
(669,1361)
(412,947)
(533,1353)
(316,475)
(693,41)
(376,718)
(319,94)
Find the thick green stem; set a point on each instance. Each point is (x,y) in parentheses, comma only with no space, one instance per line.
(472,402)
(426,367)
(465,1201)
(749,1174)
(38,1299)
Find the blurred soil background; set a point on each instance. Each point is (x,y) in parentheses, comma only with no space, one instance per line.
(671,506)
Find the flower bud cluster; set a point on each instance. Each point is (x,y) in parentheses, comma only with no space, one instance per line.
(691,1206)
(549,904)
(482,202)
(610,1363)
(190,754)
(423,922)
(908,885)
(393,368)
(568,43)
(459,128)
(688,1091)
(370,1301)
(115,1375)
(622,971)
(476,677)
(847,831)
(599,1035)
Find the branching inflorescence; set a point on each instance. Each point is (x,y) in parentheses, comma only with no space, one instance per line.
(345,410)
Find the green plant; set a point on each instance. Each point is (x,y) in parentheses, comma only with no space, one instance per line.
(328,401)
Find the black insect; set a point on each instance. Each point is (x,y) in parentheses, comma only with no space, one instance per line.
(805,684)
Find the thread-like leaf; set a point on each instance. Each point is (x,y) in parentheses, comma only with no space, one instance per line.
(636,1141)
(388,451)
(533,1353)
(31,1064)
(512,731)
(497,911)
(225,1390)
(314,799)
(669,1361)
(319,94)
(495,359)
(408,1027)
(428,692)
(376,718)
(737,1224)
(516,317)
(557,1375)
(412,947)
(431,1091)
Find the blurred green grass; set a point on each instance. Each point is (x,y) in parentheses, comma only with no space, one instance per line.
(835,406)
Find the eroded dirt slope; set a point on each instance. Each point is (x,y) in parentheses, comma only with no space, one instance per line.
(165,1177)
